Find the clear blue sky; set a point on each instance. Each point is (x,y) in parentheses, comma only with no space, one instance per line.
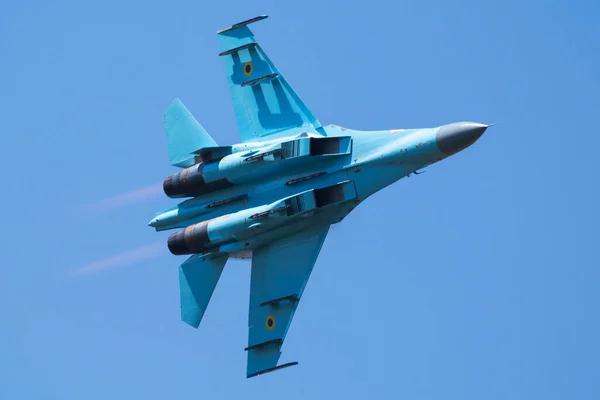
(479,279)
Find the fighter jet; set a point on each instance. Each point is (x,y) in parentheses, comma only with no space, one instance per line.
(273,197)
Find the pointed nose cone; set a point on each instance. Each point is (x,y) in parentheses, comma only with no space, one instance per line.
(153,223)
(453,138)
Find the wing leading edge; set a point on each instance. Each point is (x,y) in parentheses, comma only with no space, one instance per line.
(279,274)
(263,101)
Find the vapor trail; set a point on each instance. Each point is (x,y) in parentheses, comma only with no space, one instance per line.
(138,254)
(124,199)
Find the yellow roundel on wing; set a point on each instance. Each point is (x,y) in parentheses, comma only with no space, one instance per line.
(270,323)
(248,68)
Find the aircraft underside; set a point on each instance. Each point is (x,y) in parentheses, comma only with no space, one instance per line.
(273,197)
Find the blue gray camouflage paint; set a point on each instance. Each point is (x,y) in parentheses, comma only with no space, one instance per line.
(273,197)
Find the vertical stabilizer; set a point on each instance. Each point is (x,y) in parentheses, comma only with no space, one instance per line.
(184,135)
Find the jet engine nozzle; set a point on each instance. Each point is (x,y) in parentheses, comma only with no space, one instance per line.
(191,182)
(184,183)
(191,240)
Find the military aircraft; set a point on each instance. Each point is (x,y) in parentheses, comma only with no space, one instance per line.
(273,197)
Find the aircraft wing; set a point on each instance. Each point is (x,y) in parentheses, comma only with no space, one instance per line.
(279,274)
(263,101)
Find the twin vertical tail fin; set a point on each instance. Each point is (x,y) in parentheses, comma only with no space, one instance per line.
(184,135)
(198,277)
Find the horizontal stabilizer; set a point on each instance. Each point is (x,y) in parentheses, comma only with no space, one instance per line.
(198,277)
(184,135)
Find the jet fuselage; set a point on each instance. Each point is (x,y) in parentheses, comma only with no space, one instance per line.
(254,174)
